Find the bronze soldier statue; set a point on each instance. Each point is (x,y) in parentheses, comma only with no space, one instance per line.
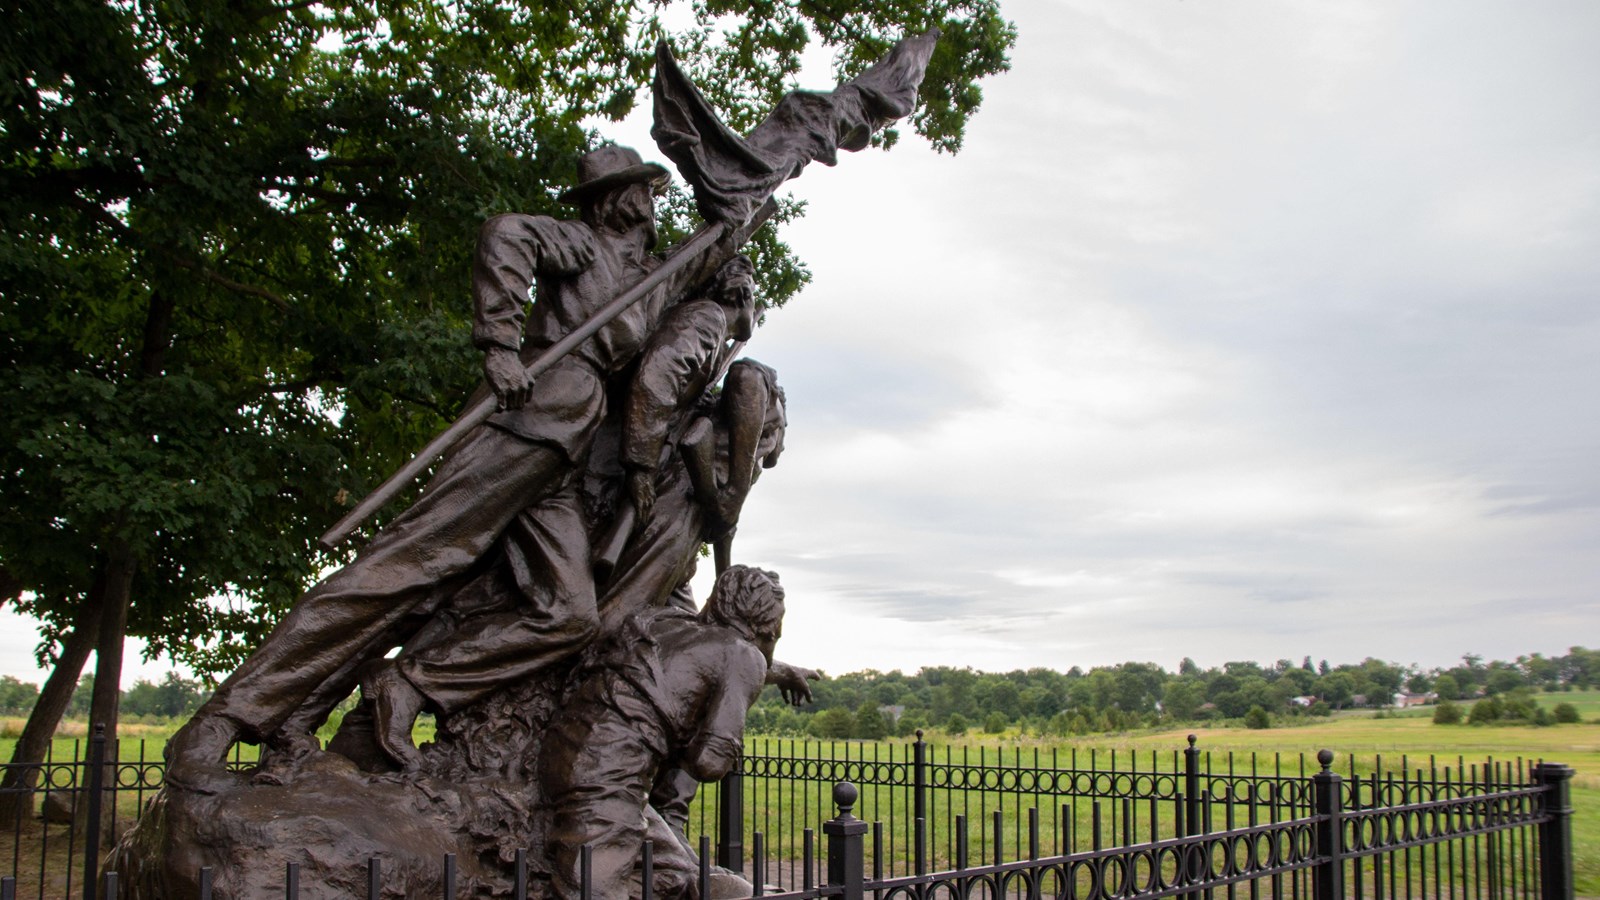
(674,692)
(485,652)
(509,483)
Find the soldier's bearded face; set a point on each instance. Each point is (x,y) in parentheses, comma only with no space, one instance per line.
(742,305)
(632,208)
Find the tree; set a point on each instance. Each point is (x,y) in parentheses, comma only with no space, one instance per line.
(174,696)
(1447,687)
(995,722)
(1298,681)
(1182,697)
(1565,714)
(1336,688)
(1447,713)
(1257,718)
(78,707)
(869,723)
(235,239)
(956,725)
(833,723)
(17,696)
(1503,679)
(1138,686)
(911,722)
(1383,680)
(1003,698)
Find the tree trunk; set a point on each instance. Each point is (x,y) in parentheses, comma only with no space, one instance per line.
(10,585)
(16,796)
(107,698)
(106,701)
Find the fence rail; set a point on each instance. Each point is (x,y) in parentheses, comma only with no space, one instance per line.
(901,823)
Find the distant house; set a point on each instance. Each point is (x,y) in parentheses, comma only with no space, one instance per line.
(1303,702)
(1358,701)
(892,713)
(1407,700)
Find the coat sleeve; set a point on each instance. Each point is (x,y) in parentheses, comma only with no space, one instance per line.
(716,748)
(513,249)
(673,371)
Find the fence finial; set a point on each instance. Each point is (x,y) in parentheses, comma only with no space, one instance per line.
(1325,757)
(844,797)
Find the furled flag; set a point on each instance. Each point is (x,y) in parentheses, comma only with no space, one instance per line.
(732,175)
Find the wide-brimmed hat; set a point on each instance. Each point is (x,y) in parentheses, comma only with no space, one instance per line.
(610,167)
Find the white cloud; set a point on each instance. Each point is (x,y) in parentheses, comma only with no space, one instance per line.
(1233,333)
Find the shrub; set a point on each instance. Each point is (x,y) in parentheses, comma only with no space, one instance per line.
(957,725)
(1446,713)
(1542,717)
(910,723)
(1566,713)
(995,722)
(833,723)
(1485,711)
(1257,718)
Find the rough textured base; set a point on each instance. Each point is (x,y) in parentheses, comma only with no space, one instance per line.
(474,797)
(330,819)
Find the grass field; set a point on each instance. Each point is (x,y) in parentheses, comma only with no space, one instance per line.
(1355,736)
(1360,741)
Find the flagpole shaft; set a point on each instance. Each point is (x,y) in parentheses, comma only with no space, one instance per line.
(687,252)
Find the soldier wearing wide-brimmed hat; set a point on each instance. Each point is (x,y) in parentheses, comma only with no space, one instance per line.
(507,488)
(613,166)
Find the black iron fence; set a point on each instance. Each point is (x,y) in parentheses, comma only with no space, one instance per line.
(1097,824)
(914,822)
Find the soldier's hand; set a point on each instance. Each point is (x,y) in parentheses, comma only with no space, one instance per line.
(642,488)
(507,378)
(793,682)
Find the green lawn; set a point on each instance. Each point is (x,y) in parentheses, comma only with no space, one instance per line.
(1356,735)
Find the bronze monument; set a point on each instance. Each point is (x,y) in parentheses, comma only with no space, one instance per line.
(535,597)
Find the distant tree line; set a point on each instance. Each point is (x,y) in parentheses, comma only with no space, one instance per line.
(1047,702)
(873,705)
(174,697)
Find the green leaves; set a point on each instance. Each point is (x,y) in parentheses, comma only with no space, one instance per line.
(234,254)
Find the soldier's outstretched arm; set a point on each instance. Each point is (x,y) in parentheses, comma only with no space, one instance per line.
(794,682)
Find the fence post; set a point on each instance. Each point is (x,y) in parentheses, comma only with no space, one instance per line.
(1555,833)
(730,820)
(1191,787)
(1192,823)
(91,834)
(1327,878)
(846,855)
(919,801)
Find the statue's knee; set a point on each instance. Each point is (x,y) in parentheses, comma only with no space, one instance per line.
(585,624)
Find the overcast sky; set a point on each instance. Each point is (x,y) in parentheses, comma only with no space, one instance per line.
(1235,331)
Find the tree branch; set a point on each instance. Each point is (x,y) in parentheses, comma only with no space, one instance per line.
(823,12)
(425,404)
(99,214)
(224,281)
